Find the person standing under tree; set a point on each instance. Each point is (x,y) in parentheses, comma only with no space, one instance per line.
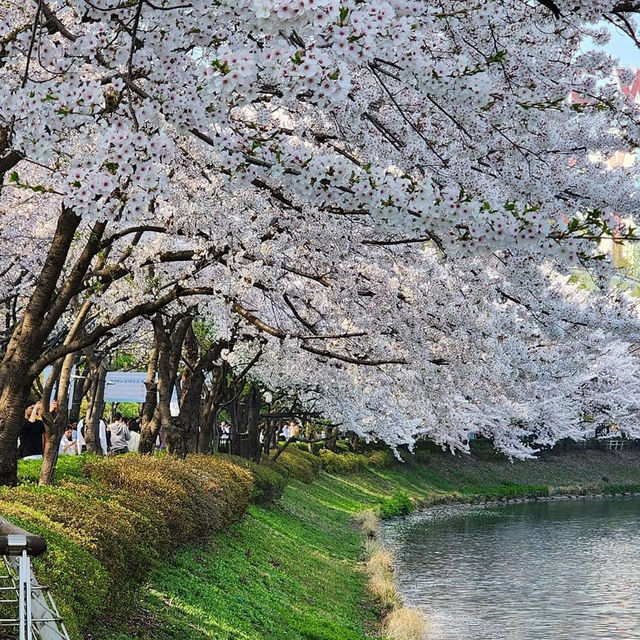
(32,433)
(120,435)
(134,431)
(68,444)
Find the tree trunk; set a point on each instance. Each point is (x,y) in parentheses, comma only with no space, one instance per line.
(190,420)
(308,434)
(95,411)
(26,344)
(80,388)
(49,459)
(238,430)
(332,438)
(13,401)
(253,422)
(57,423)
(170,341)
(207,438)
(150,422)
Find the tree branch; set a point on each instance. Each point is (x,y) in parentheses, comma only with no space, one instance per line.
(145,308)
(325,353)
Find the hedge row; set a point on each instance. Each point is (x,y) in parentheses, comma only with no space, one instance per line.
(109,520)
(108,523)
(297,463)
(346,463)
(268,483)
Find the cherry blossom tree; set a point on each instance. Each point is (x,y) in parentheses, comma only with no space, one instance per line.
(383,190)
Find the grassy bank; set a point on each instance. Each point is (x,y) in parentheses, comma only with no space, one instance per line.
(294,570)
(109,521)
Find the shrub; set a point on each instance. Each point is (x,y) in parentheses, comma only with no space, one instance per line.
(80,582)
(398,505)
(116,536)
(341,463)
(422,456)
(165,486)
(380,459)
(345,463)
(621,488)
(229,487)
(483,449)
(112,518)
(508,489)
(193,497)
(298,464)
(315,446)
(268,484)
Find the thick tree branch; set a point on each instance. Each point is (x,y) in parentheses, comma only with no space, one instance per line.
(325,353)
(145,308)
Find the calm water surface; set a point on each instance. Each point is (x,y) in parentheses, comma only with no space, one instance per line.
(536,571)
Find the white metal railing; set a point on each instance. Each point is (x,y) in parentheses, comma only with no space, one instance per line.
(25,605)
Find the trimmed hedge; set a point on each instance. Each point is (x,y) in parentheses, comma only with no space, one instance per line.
(115,517)
(298,464)
(345,463)
(268,483)
(109,520)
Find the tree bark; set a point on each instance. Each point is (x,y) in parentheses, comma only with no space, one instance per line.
(55,423)
(95,409)
(13,401)
(190,420)
(209,437)
(80,388)
(238,428)
(170,339)
(253,425)
(150,422)
(25,345)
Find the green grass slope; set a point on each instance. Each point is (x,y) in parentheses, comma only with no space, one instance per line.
(292,571)
(287,572)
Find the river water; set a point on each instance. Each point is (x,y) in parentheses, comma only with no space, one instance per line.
(535,571)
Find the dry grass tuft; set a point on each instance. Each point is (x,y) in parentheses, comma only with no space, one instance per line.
(380,562)
(400,623)
(371,545)
(406,624)
(384,589)
(369,523)
(381,583)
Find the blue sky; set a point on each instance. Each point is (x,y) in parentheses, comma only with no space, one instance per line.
(623,47)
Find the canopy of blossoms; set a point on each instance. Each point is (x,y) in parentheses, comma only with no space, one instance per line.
(389,196)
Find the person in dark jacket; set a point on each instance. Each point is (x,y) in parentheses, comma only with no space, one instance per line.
(31,433)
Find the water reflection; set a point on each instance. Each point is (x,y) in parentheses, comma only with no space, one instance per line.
(535,571)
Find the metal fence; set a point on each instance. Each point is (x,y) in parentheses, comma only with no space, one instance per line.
(25,606)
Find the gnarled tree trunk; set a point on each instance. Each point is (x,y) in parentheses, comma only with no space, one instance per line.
(150,421)
(170,339)
(95,409)
(27,342)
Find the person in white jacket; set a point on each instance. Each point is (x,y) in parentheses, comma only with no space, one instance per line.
(68,446)
(102,437)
